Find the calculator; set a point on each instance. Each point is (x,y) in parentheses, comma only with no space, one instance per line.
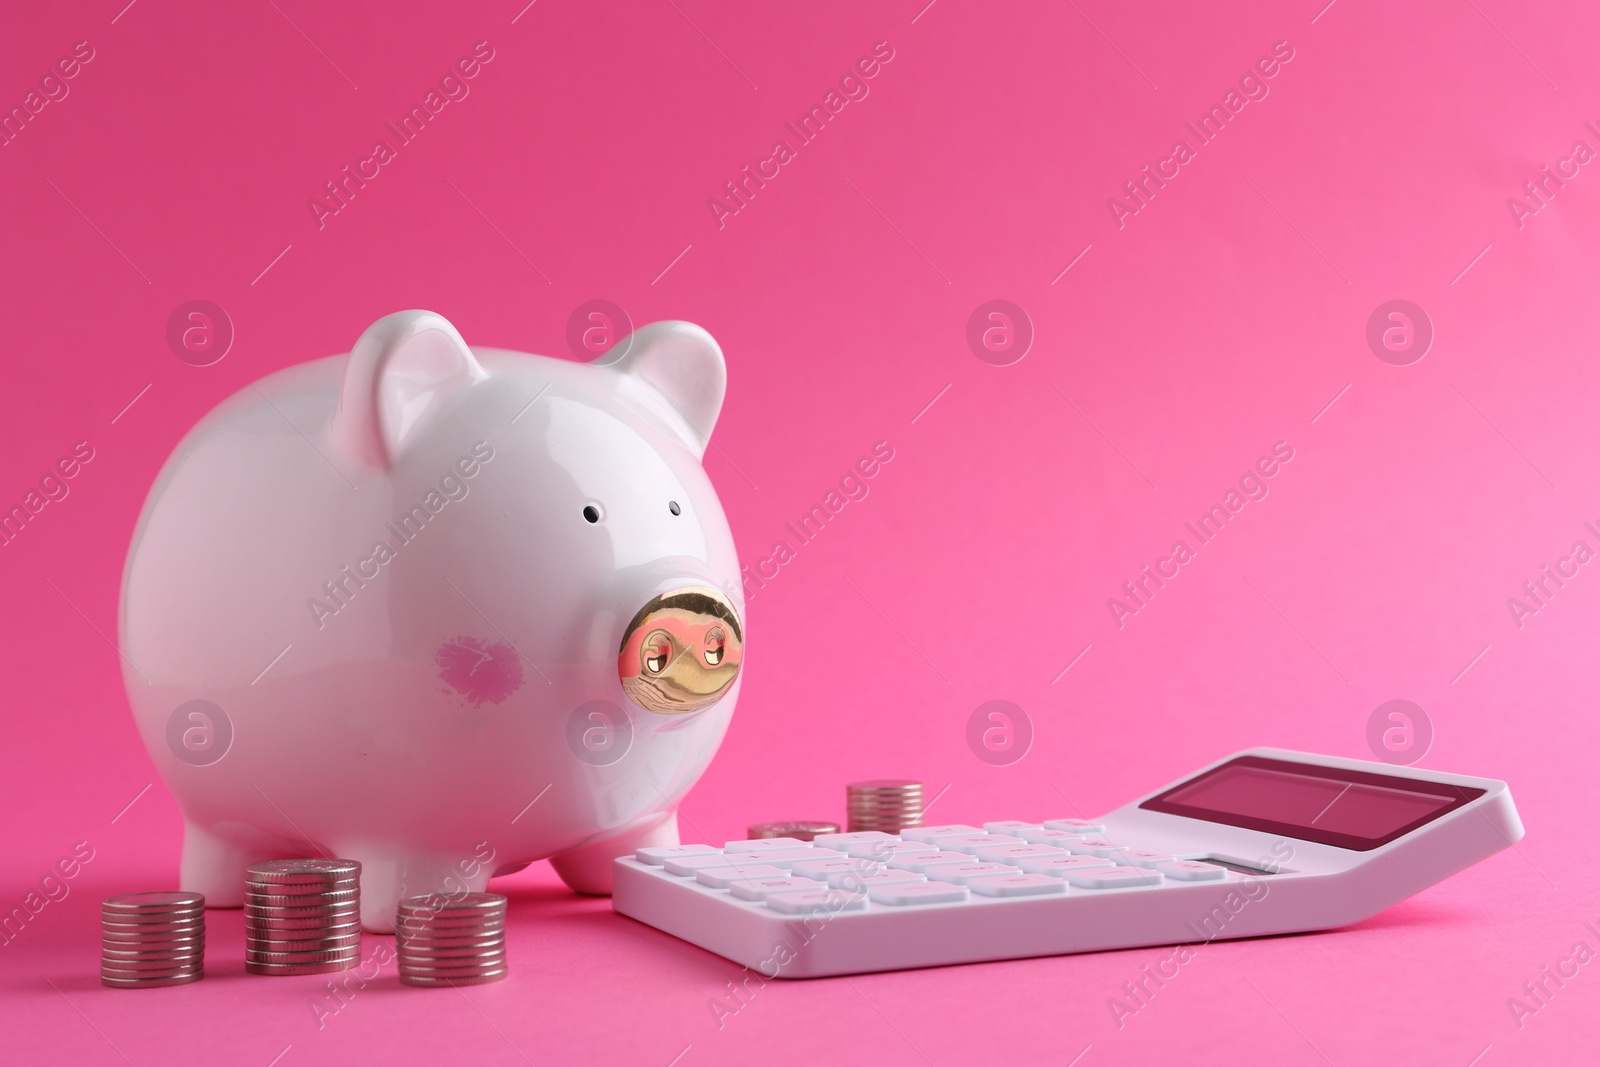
(1267,841)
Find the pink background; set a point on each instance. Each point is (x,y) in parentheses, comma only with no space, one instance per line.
(1223,317)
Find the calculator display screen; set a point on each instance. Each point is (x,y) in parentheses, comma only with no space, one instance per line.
(1357,810)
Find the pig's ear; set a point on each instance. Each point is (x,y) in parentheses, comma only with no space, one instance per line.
(401,372)
(674,372)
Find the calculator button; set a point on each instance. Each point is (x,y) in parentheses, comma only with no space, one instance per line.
(1076,826)
(765,844)
(844,840)
(1192,871)
(822,869)
(788,857)
(906,893)
(723,877)
(1013,853)
(859,879)
(762,888)
(688,865)
(933,833)
(1048,837)
(1113,878)
(1094,846)
(808,901)
(1018,885)
(973,842)
(962,873)
(922,862)
(1009,826)
(1138,857)
(1058,866)
(656,855)
(883,850)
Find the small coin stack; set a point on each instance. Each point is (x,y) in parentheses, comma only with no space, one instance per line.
(152,939)
(302,916)
(804,830)
(459,939)
(885,804)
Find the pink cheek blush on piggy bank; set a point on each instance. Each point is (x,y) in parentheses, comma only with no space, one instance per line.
(439,609)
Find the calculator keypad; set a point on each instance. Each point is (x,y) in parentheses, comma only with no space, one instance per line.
(926,866)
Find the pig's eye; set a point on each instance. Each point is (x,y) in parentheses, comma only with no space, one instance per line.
(672,506)
(715,644)
(657,650)
(591,513)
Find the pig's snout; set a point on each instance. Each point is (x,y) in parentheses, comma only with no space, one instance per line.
(681,652)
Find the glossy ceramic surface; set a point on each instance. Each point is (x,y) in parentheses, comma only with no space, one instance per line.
(441,610)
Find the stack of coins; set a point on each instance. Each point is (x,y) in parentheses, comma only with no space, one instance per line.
(151,939)
(804,830)
(302,916)
(884,804)
(458,939)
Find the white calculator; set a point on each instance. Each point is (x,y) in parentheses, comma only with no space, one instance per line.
(1264,842)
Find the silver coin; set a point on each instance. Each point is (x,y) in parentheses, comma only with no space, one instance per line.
(138,967)
(443,969)
(448,930)
(140,933)
(146,977)
(167,963)
(303,927)
(421,949)
(402,934)
(176,955)
(446,933)
(459,902)
(482,918)
(449,933)
(464,954)
(302,933)
(498,970)
(326,944)
(308,870)
(152,922)
(299,968)
(279,959)
(116,982)
(300,889)
(289,954)
(278,911)
(307,911)
(124,950)
(484,941)
(321,925)
(139,903)
(479,979)
(300,900)
(118,948)
(131,918)
(269,933)
(184,952)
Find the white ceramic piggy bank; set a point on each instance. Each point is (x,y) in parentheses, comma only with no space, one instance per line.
(441,610)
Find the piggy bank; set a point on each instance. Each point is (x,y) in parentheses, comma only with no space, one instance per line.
(439,609)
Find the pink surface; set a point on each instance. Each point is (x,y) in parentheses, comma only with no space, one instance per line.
(1387,160)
